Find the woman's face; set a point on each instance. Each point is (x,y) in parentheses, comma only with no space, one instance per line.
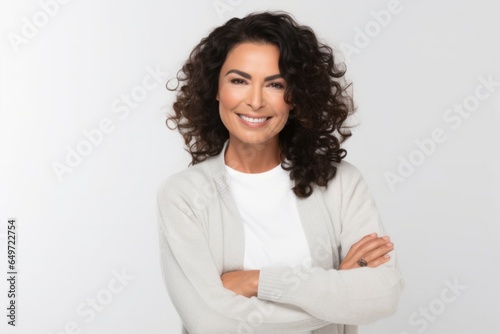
(251,94)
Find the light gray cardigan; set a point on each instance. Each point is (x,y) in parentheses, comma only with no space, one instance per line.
(202,236)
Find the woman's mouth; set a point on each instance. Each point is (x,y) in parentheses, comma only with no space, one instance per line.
(254,119)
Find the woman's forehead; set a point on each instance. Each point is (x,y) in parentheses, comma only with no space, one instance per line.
(253,55)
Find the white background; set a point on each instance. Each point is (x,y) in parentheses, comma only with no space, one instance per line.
(76,233)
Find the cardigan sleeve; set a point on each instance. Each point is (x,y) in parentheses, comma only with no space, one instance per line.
(195,287)
(356,296)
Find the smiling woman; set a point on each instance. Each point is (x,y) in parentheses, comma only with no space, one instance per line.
(252,105)
(270,231)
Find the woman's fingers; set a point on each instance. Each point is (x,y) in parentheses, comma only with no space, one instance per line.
(366,245)
(371,250)
(363,242)
(378,261)
(379,255)
(242,282)
(379,249)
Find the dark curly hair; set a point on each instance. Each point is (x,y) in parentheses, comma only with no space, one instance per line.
(310,141)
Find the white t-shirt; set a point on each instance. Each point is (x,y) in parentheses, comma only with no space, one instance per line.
(273,230)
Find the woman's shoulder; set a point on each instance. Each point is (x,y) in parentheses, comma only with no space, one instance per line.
(347,178)
(347,171)
(185,181)
(347,188)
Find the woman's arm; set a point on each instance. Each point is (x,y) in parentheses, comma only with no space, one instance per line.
(357,296)
(373,249)
(195,286)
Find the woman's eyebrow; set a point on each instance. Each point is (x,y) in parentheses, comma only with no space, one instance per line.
(248,76)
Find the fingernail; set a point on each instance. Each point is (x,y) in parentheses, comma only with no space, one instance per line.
(373,235)
(389,244)
(386,256)
(386,238)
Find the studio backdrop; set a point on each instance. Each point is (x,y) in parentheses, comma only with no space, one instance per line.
(84,148)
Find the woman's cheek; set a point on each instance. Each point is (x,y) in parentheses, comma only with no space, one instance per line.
(230,97)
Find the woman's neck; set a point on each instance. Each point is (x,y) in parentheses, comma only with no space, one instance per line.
(252,158)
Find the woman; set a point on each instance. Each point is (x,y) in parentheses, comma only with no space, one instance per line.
(268,231)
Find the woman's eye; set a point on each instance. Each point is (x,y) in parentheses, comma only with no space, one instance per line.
(237,81)
(276,85)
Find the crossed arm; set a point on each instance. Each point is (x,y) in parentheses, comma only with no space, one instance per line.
(372,248)
(276,299)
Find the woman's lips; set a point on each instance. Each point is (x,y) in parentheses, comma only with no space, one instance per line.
(254,119)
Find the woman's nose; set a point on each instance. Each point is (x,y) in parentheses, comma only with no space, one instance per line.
(255,98)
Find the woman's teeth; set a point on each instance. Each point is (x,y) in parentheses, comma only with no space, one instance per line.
(253,120)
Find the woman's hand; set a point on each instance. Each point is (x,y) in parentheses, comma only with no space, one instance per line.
(371,248)
(242,282)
